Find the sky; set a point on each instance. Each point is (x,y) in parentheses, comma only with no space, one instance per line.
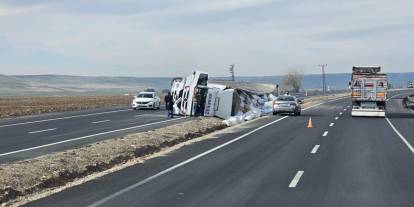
(155,38)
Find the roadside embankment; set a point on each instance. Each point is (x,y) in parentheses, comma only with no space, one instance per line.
(23,106)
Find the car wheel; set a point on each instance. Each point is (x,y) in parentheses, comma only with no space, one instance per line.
(274,113)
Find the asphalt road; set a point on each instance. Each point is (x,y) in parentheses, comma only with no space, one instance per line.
(275,161)
(28,137)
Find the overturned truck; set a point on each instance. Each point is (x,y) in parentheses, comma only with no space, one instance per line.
(195,95)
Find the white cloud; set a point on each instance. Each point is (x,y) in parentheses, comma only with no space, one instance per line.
(16,10)
(157,38)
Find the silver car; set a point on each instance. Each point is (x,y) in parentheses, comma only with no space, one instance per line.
(287,104)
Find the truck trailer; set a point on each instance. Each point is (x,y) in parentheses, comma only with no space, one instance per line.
(368,91)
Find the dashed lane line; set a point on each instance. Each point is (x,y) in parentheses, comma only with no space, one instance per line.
(103,121)
(296,179)
(44,130)
(315,149)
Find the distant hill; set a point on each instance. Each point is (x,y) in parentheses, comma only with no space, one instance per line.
(38,85)
(63,85)
(334,81)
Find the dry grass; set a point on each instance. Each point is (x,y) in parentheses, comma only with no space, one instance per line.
(22,106)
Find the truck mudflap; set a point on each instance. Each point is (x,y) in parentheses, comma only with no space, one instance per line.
(368,112)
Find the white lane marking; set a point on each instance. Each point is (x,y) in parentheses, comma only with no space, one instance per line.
(296,179)
(86,137)
(340,113)
(40,131)
(331,124)
(98,122)
(131,187)
(151,115)
(348,106)
(62,118)
(325,134)
(336,118)
(315,149)
(400,135)
(118,193)
(344,109)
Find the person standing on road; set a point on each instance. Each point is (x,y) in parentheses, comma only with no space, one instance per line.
(169,104)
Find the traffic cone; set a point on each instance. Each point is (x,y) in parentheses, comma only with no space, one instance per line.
(310,123)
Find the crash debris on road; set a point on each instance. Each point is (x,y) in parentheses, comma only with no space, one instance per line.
(23,178)
(409,102)
(234,102)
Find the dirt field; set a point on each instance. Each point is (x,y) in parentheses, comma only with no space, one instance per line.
(22,106)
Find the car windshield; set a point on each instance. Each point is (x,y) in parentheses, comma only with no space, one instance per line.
(285,98)
(145,95)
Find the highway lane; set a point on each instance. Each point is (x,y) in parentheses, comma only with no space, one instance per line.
(32,136)
(400,117)
(46,117)
(268,144)
(38,135)
(342,161)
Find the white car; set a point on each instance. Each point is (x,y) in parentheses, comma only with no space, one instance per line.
(146,100)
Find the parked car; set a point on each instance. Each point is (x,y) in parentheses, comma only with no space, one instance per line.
(146,100)
(410,85)
(287,104)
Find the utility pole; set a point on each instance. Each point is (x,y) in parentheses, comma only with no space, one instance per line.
(232,72)
(323,77)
